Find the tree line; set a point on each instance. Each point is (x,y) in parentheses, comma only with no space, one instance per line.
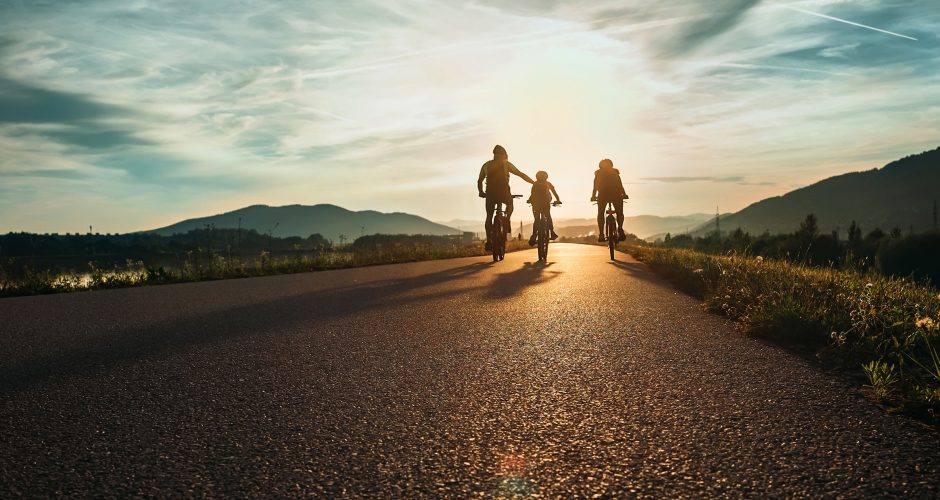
(892,254)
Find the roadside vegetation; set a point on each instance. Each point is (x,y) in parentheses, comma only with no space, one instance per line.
(885,328)
(71,267)
(893,253)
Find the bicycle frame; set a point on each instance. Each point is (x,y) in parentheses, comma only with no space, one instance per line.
(498,230)
(541,236)
(541,232)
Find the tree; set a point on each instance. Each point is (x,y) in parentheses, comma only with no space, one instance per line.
(809,228)
(855,234)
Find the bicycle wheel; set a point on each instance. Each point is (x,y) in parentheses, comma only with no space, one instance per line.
(496,235)
(611,235)
(543,241)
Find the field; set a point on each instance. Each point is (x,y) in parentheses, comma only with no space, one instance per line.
(861,323)
(202,267)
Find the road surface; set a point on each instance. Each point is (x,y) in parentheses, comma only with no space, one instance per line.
(449,378)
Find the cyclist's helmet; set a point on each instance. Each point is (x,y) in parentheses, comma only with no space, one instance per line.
(541,175)
(500,151)
(606,163)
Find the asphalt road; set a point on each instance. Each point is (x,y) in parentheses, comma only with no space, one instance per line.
(450,378)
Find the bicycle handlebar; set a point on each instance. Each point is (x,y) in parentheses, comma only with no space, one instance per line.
(625,197)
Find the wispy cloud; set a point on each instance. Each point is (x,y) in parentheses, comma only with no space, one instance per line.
(735,179)
(120,113)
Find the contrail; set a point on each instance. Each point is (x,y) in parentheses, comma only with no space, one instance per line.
(824,16)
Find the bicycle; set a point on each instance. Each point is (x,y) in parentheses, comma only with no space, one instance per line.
(540,227)
(498,231)
(610,228)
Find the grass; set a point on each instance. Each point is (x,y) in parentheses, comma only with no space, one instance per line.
(137,273)
(886,329)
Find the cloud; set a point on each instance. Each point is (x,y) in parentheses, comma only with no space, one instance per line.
(24,103)
(54,173)
(379,105)
(721,19)
(840,51)
(733,178)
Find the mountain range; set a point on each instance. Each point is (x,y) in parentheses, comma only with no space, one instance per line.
(330,221)
(902,194)
(644,226)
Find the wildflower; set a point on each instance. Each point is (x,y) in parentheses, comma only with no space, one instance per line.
(869,285)
(760,258)
(927,323)
(698,271)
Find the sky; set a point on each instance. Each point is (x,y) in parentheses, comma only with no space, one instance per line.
(133,114)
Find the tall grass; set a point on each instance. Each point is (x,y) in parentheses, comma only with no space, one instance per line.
(889,326)
(203,268)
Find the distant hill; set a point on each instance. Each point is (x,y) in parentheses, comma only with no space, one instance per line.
(641,225)
(900,194)
(303,220)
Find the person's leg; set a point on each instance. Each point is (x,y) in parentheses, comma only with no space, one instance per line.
(551,224)
(601,206)
(490,208)
(535,225)
(618,204)
(508,203)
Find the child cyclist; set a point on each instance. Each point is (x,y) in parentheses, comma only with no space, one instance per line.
(541,200)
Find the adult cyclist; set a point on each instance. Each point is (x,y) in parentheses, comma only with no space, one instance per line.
(608,188)
(496,173)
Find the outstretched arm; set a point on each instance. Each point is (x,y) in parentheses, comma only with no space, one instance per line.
(594,192)
(514,170)
(480,181)
(557,198)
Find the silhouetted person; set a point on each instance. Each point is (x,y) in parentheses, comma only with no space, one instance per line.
(608,188)
(541,200)
(496,172)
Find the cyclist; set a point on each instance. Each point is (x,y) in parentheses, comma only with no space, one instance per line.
(608,188)
(541,200)
(496,172)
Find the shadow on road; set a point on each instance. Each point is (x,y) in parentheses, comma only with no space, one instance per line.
(531,273)
(137,342)
(638,270)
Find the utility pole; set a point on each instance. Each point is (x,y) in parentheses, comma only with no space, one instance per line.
(270,233)
(717,222)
